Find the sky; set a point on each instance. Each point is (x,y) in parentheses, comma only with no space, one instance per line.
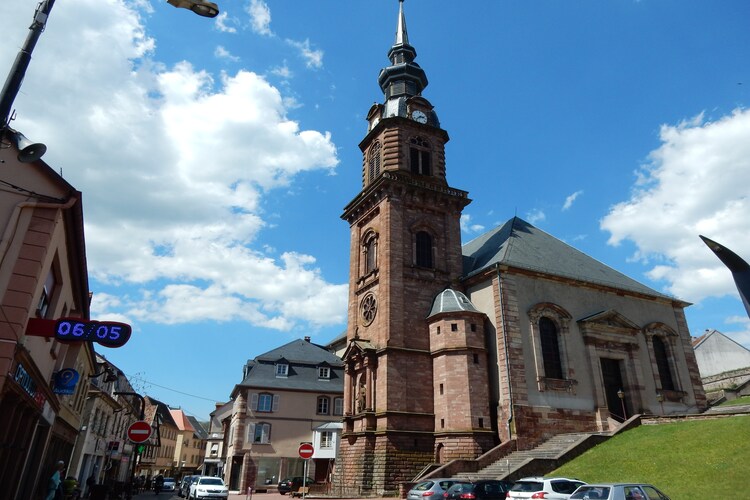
(215,156)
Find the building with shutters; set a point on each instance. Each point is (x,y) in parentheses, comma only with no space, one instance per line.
(285,396)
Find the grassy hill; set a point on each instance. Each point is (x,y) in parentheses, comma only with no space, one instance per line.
(693,459)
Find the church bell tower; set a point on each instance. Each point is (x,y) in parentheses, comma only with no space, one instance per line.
(405,248)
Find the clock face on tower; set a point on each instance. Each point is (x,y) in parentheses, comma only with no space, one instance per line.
(419,116)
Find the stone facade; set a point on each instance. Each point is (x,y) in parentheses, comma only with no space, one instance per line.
(453,350)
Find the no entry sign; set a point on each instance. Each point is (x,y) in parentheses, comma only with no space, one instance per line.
(306,450)
(139,431)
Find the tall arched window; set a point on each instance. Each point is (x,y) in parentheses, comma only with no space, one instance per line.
(662,363)
(550,348)
(371,253)
(424,249)
(374,162)
(419,156)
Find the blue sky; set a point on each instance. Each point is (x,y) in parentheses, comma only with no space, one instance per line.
(216,156)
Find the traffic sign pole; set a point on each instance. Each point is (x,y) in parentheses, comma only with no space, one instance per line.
(306,452)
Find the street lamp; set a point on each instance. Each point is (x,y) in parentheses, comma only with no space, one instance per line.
(18,70)
(621,395)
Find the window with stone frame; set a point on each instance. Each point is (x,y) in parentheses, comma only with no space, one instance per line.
(264,402)
(420,158)
(549,325)
(370,248)
(423,249)
(45,299)
(373,161)
(324,404)
(259,432)
(338,406)
(550,348)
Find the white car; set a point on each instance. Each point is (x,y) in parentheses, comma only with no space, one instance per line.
(169,484)
(618,491)
(208,487)
(547,488)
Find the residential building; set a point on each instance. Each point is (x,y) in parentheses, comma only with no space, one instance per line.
(515,336)
(190,445)
(285,394)
(159,451)
(214,461)
(43,277)
(102,449)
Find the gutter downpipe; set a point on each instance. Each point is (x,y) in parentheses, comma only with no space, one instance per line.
(505,346)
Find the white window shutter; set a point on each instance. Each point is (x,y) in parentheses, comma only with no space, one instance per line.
(266,433)
(275,403)
(254,401)
(250,432)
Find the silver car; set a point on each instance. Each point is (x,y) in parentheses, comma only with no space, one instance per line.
(431,489)
(618,491)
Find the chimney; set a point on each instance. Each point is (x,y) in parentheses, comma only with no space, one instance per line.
(307,339)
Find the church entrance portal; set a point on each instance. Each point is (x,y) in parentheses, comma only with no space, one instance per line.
(613,382)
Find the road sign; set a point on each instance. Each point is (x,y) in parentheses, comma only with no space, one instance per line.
(306,450)
(139,431)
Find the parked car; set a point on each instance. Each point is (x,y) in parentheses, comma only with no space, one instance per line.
(483,489)
(292,484)
(184,488)
(208,487)
(169,484)
(618,491)
(548,488)
(431,489)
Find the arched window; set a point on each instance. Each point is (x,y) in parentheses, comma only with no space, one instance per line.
(374,162)
(419,156)
(550,348)
(662,363)
(371,253)
(424,249)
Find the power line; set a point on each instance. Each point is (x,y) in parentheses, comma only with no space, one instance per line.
(170,389)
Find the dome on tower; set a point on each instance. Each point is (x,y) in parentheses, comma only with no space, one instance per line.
(450,300)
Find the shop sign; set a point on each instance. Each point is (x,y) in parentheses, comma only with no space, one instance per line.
(25,380)
(65,381)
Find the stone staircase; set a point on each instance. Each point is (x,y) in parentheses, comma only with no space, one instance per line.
(548,452)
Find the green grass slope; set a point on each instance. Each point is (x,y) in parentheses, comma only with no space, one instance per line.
(694,459)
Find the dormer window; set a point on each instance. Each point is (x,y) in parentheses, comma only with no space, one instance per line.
(282,369)
(324,372)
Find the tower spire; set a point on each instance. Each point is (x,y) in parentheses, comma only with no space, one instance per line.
(403,78)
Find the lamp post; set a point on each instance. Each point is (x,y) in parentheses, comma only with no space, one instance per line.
(660,399)
(621,395)
(18,70)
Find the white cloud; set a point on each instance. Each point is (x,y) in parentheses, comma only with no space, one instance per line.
(225,24)
(223,53)
(534,216)
(570,199)
(695,183)
(313,57)
(282,71)
(468,227)
(174,167)
(260,17)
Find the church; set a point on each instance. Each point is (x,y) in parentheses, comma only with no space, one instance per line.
(454,349)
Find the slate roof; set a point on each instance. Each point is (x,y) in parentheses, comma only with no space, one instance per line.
(303,358)
(198,428)
(520,245)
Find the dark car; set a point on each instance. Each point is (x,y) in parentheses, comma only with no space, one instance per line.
(184,488)
(292,484)
(483,489)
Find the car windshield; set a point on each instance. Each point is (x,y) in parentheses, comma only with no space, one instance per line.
(168,480)
(527,486)
(591,493)
(211,480)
